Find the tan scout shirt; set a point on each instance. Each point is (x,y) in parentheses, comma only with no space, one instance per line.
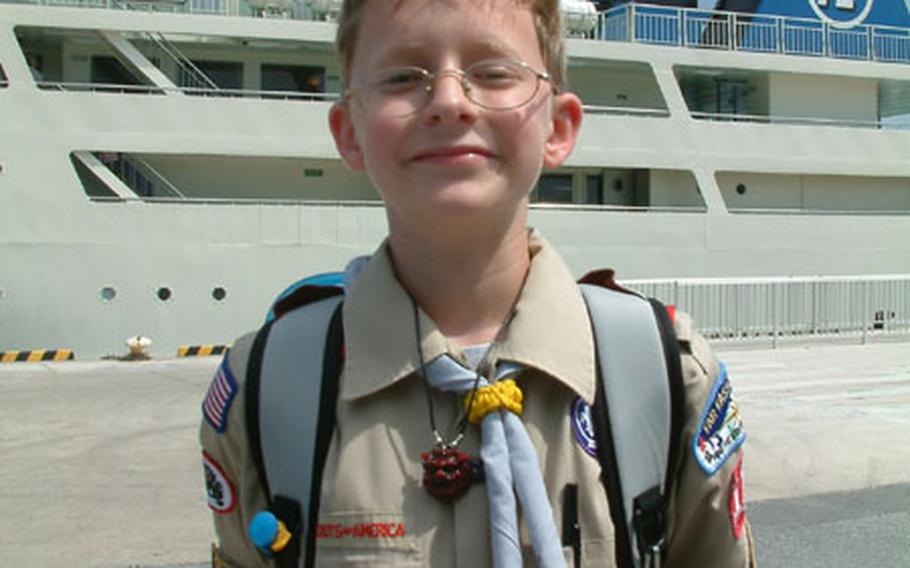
(374,511)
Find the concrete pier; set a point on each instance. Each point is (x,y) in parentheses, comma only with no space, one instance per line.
(101,465)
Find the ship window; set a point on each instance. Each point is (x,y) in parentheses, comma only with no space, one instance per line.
(293,78)
(219,294)
(710,92)
(3,81)
(108,293)
(594,186)
(224,74)
(553,188)
(164,293)
(108,70)
(633,188)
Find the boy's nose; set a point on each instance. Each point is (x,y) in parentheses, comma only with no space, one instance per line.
(448,99)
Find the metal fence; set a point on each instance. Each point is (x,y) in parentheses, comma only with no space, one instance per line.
(734,31)
(637,23)
(778,308)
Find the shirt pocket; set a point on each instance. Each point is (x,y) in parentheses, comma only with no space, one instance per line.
(366,539)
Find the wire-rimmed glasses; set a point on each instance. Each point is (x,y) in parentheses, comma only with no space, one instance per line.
(492,84)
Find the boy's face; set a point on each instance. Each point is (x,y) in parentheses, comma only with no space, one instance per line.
(451,159)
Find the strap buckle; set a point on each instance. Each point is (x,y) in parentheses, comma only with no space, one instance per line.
(649,521)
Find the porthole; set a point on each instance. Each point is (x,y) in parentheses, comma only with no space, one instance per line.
(108,293)
(164,293)
(219,294)
(741,188)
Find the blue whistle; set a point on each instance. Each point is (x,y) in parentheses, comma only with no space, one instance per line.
(269,534)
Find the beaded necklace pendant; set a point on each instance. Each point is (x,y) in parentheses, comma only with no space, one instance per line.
(448,472)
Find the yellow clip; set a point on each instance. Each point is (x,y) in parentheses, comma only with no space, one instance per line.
(503,394)
(281,539)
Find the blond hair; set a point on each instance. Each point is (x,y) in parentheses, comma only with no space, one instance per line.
(547,22)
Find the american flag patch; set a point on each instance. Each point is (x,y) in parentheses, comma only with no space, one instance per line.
(219,397)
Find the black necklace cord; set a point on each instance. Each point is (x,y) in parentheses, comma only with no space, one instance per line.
(484,363)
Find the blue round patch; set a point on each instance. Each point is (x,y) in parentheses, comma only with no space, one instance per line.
(583,427)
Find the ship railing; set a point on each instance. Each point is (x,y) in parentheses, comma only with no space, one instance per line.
(607,208)
(304,203)
(803,121)
(633,23)
(64,86)
(736,31)
(626,111)
(239,201)
(775,309)
(135,171)
(190,74)
(258,94)
(815,211)
(592,109)
(68,86)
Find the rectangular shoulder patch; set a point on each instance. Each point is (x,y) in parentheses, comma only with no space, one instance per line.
(219,397)
(720,430)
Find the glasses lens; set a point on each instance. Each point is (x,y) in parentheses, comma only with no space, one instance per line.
(501,84)
(398,91)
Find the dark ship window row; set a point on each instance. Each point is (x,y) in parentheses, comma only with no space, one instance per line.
(163,294)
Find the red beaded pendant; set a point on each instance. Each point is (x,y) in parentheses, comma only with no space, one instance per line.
(448,473)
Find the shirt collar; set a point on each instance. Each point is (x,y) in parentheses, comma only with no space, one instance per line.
(550,331)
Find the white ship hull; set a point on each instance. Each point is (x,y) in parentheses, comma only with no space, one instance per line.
(62,251)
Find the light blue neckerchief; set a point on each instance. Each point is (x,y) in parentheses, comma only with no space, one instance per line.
(509,461)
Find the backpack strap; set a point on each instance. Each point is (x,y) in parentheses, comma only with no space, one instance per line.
(291,439)
(637,416)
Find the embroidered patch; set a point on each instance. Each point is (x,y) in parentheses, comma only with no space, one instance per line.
(737,502)
(583,426)
(219,397)
(720,431)
(360,530)
(218,487)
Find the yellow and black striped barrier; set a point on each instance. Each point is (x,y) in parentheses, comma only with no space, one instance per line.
(35,355)
(201,350)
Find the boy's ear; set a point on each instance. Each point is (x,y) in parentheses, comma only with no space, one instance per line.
(345,140)
(566,124)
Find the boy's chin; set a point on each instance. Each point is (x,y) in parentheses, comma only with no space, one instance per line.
(472,205)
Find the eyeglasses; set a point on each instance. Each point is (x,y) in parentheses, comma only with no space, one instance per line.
(494,84)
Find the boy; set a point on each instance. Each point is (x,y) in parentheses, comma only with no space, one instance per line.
(452,107)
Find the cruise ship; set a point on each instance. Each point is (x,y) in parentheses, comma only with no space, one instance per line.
(166,167)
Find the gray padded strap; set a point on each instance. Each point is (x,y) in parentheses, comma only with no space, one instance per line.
(289,394)
(634,373)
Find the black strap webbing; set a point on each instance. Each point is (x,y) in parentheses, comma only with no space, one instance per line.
(251,393)
(331,372)
(677,391)
(609,474)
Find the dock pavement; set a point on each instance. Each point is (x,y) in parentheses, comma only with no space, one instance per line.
(101,466)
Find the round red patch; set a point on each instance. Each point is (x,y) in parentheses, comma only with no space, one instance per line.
(220,491)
